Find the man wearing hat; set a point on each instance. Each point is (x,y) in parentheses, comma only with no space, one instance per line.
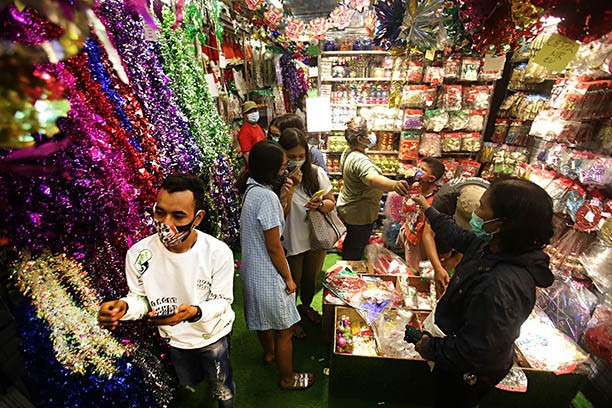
(250,133)
(457,198)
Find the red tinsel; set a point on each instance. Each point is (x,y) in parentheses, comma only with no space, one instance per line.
(582,20)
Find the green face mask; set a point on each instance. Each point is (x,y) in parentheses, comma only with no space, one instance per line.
(478,224)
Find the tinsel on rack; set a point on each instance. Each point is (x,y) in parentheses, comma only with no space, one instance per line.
(138,381)
(61,293)
(150,85)
(294,80)
(189,86)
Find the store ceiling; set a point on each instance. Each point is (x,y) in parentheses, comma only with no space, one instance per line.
(309,9)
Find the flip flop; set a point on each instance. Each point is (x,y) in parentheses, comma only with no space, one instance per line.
(301,381)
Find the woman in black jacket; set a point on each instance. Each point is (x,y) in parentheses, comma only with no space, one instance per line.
(493,290)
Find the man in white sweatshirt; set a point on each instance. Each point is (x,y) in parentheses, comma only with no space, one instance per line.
(181,280)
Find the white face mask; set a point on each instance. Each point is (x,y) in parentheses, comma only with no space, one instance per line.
(253,117)
(292,164)
(371,140)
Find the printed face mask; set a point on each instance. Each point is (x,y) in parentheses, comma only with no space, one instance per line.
(478,224)
(172,235)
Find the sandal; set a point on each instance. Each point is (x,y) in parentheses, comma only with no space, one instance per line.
(298,331)
(301,381)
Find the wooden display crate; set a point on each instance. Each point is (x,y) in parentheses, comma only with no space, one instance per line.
(410,382)
(327,321)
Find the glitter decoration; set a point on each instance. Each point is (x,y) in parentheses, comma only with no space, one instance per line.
(189,86)
(359,5)
(420,25)
(179,152)
(27,26)
(294,80)
(79,343)
(224,195)
(58,388)
(390,15)
(273,17)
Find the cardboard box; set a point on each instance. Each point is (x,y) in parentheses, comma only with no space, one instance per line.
(327,321)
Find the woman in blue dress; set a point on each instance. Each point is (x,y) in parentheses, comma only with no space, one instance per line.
(269,289)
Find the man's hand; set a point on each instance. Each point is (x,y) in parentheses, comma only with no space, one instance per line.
(291,286)
(422,202)
(110,313)
(182,313)
(442,279)
(401,187)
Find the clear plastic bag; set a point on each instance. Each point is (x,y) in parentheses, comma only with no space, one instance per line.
(598,335)
(386,262)
(389,330)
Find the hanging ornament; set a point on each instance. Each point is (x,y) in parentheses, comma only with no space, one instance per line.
(455,31)
(524,13)
(341,17)
(295,28)
(273,17)
(370,23)
(359,5)
(390,14)
(494,27)
(421,23)
(318,27)
(254,4)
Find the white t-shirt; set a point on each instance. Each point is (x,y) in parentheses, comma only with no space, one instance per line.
(297,229)
(161,280)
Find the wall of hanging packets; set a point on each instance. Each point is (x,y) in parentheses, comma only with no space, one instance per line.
(570,158)
(138,109)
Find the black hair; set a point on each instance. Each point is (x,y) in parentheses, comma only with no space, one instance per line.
(527,212)
(437,167)
(355,128)
(288,120)
(177,182)
(291,138)
(265,161)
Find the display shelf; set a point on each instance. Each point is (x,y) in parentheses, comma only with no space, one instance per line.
(355,79)
(353,52)
(368,151)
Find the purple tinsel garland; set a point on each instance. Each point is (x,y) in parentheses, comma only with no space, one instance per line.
(126,28)
(293,80)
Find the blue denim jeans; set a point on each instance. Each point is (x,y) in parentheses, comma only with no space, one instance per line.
(211,362)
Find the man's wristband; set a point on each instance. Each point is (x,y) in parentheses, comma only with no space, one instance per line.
(197,316)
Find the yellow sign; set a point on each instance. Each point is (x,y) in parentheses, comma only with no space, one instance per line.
(430,55)
(556,53)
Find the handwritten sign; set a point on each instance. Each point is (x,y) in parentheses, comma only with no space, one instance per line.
(430,55)
(556,53)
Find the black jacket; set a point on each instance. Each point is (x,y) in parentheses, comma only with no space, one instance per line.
(485,304)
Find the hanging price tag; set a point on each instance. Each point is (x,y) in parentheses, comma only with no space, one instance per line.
(556,53)
(430,55)
(150,34)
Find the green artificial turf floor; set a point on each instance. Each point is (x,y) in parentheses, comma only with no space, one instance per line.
(256,384)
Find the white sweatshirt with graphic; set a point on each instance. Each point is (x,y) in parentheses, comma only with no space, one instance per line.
(161,280)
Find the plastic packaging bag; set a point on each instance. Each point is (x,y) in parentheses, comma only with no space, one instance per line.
(386,262)
(389,330)
(598,335)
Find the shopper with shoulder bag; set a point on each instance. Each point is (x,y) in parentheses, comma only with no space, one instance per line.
(310,207)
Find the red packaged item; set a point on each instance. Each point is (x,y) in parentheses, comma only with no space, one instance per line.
(501,130)
(598,335)
(469,69)
(415,72)
(409,149)
(450,169)
(433,75)
(468,168)
(450,98)
(452,67)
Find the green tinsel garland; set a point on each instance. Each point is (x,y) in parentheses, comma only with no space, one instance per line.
(189,86)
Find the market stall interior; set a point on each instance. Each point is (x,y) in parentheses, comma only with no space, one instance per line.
(100,101)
